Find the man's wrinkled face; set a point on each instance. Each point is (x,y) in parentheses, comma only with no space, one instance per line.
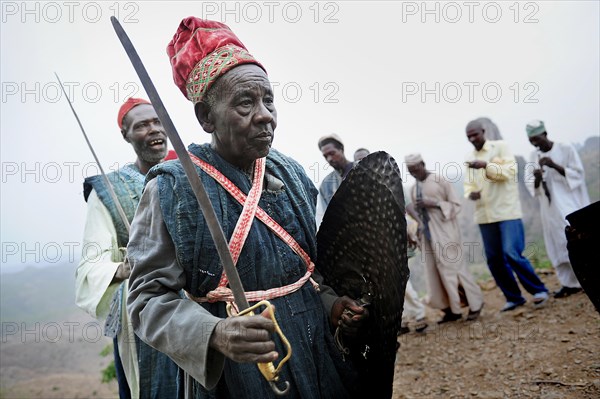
(334,156)
(143,130)
(475,135)
(541,141)
(243,117)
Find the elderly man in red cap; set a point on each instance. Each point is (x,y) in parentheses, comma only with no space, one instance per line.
(171,248)
(103,272)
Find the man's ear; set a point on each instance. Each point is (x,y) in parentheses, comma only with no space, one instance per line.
(205,116)
(124,133)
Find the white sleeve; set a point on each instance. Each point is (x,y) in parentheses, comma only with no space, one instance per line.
(574,172)
(100,259)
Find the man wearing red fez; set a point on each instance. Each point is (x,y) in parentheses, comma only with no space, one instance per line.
(271,238)
(102,275)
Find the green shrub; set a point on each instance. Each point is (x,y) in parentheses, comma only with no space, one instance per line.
(110,372)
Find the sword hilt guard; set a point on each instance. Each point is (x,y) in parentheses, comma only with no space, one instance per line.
(268,370)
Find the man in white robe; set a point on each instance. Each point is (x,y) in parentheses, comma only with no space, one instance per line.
(414,309)
(556,177)
(436,205)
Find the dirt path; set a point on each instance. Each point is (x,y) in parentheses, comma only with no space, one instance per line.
(548,353)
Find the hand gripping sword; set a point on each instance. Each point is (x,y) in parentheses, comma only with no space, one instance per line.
(267,369)
(111,191)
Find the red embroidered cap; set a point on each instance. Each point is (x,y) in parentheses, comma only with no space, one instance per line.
(127,106)
(201,51)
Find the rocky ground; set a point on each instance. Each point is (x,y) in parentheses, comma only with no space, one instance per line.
(549,353)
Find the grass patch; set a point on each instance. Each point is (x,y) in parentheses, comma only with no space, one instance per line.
(109,373)
(107,350)
(537,255)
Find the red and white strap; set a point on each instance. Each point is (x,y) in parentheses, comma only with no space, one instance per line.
(242,227)
(240,233)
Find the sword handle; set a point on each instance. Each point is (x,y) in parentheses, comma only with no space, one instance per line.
(268,370)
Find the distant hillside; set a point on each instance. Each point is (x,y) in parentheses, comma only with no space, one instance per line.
(38,294)
(50,348)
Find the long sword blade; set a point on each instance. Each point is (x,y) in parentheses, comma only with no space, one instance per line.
(207,210)
(111,191)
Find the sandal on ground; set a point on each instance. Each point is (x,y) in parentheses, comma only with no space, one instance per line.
(511,306)
(540,299)
(421,325)
(567,291)
(449,316)
(403,330)
(474,314)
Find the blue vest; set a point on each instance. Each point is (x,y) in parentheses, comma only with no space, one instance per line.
(128,183)
(315,370)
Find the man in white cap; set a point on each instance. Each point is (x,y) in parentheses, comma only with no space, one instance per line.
(332,148)
(437,205)
(557,179)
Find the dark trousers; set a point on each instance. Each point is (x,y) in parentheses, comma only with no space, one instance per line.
(504,243)
(124,392)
